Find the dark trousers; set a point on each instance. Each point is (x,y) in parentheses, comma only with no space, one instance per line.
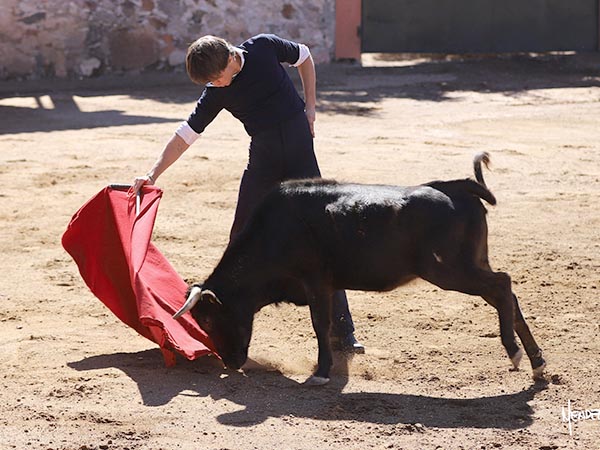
(284,152)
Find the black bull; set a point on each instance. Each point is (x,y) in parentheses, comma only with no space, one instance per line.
(309,238)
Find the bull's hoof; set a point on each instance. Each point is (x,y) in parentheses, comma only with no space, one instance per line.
(516,359)
(316,381)
(350,345)
(538,372)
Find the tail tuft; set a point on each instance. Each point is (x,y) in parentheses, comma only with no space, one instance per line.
(481,157)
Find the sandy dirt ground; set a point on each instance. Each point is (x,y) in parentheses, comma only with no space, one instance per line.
(434,374)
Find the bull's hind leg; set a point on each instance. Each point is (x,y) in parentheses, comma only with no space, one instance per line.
(534,353)
(500,297)
(533,350)
(494,287)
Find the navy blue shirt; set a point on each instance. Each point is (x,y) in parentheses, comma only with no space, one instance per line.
(262,94)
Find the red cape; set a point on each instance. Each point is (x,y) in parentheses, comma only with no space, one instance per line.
(112,248)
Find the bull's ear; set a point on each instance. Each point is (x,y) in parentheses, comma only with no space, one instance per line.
(211,297)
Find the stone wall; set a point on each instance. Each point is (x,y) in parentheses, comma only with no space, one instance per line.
(83,38)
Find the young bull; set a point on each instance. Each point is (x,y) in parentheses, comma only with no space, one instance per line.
(309,238)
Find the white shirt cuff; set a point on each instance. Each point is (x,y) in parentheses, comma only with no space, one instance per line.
(186,133)
(304,53)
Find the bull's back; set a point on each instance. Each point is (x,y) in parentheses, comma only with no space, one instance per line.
(371,236)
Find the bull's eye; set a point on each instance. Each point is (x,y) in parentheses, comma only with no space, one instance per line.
(206,324)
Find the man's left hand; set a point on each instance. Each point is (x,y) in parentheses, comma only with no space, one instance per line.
(311,117)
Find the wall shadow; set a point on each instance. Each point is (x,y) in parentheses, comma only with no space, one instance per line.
(66,115)
(266,394)
(342,88)
(350,89)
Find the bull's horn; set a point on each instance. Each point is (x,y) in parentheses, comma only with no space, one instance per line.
(195,295)
(212,297)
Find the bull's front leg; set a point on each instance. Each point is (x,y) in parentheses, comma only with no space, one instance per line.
(320,313)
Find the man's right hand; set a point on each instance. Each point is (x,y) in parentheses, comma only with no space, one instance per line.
(138,182)
(173,150)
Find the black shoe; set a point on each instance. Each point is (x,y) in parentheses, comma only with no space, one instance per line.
(349,344)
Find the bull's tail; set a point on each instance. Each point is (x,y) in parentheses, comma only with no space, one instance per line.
(476,188)
(481,157)
(480,189)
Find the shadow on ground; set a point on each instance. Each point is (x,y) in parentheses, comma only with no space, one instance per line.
(65,115)
(434,79)
(343,88)
(266,394)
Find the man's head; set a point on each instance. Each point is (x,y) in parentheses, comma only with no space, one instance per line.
(210,59)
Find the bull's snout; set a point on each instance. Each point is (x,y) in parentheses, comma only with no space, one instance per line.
(236,360)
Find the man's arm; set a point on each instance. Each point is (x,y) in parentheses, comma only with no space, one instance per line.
(171,153)
(309,85)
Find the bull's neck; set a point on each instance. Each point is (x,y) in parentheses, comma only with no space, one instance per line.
(243,270)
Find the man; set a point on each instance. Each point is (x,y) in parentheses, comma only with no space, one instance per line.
(250,82)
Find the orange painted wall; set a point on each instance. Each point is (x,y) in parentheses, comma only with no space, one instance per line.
(347,25)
